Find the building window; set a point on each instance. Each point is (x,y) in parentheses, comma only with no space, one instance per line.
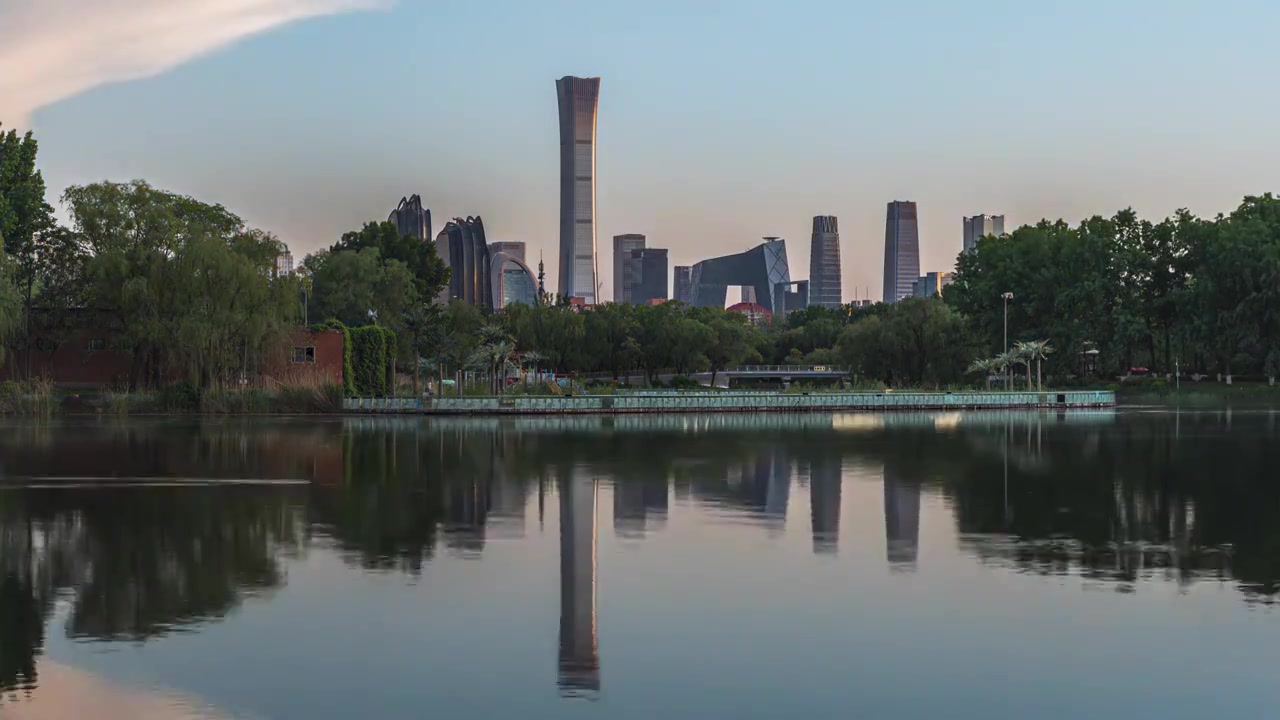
(96,344)
(303,355)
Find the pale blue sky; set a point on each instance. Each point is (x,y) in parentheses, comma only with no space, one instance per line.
(719,121)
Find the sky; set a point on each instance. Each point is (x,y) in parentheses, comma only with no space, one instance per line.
(721,121)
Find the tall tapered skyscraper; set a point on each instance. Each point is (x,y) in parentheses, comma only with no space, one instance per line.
(579,98)
(824,263)
(901,251)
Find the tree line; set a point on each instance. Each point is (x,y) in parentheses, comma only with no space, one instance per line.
(1185,293)
(190,291)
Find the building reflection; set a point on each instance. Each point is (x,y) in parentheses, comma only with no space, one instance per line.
(639,506)
(901,519)
(579,664)
(824,503)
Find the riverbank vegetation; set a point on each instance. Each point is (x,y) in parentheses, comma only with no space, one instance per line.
(195,298)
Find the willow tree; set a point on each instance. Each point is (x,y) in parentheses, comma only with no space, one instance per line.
(187,286)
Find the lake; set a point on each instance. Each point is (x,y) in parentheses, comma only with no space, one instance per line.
(1110,564)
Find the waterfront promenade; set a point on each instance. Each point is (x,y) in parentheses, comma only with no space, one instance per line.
(740,402)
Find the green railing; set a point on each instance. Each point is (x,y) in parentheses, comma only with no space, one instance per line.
(734,402)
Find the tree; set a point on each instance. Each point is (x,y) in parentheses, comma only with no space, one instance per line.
(732,340)
(420,258)
(10,304)
(25,218)
(189,286)
(985,368)
(1037,350)
(345,285)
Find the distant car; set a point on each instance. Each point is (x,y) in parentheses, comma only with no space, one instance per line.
(1139,371)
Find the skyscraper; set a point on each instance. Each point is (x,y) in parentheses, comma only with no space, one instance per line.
(649,275)
(579,98)
(461,245)
(623,245)
(901,250)
(514,248)
(683,283)
(411,219)
(824,263)
(979,226)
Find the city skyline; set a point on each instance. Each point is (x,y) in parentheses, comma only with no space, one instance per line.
(255,114)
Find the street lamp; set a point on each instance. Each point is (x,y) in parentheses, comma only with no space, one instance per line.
(1006,297)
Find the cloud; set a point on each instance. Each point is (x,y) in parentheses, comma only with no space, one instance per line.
(53,49)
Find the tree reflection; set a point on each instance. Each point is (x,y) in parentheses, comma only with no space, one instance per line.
(140,562)
(1121,501)
(1155,496)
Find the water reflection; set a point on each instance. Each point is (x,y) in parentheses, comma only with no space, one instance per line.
(824,502)
(140,562)
(1117,500)
(579,650)
(901,518)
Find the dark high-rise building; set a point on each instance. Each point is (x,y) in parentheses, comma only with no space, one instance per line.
(411,219)
(514,248)
(763,267)
(901,251)
(824,263)
(824,502)
(579,658)
(648,275)
(462,247)
(901,519)
(579,98)
(623,273)
(980,226)
(789,297)
(683,283)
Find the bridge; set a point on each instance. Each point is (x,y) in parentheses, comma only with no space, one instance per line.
(786,374)
(783,375)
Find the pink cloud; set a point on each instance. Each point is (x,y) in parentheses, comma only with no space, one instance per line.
(54,49)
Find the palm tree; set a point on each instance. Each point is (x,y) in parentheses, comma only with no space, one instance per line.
(1006,360)
(985,367)
(1037,350)
(532,358)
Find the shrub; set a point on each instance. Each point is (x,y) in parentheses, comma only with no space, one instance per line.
(180,397)
(370,360)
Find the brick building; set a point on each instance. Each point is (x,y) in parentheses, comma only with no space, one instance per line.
(84,354)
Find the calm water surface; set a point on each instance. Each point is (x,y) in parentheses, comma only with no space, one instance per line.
(1091,565)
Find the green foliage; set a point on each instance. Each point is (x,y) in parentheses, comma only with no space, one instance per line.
(424,267)
(1184,293)
(189,286)
(32,399)
(348,354)
(370,360)
(917,341)
(10,304)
